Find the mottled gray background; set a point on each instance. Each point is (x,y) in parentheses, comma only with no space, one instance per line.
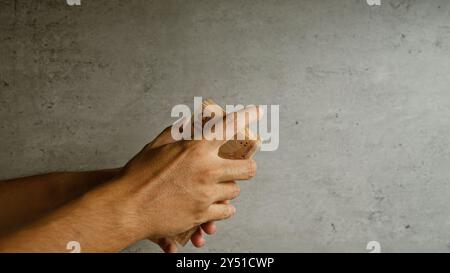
(363,92)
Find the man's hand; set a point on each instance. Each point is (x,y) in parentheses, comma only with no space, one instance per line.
(167,244)
(177,186)
(197,238)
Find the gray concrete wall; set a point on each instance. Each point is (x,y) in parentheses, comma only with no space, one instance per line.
(363,92)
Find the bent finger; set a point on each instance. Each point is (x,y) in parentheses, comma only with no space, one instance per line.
(217,212)
(227,191)
(209,228)
(197,238)
(167,245)
(236,169)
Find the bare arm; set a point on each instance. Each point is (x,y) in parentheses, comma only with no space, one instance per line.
(26,199)
(90,220)
(160,193)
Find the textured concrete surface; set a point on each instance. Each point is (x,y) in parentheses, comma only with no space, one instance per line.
(363,92)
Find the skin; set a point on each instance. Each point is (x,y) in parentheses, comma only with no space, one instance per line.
(50,191)
(166,189)
(197,239)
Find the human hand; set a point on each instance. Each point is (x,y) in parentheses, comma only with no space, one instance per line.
(167,244)
(167,190)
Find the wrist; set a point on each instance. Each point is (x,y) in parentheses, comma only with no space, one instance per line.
(110,219)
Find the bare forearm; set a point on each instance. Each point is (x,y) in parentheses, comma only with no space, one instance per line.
(96,225)
(23,200)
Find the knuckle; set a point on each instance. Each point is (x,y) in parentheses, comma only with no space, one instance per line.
(204,197)
(205,172)
(208,174)
(203,179)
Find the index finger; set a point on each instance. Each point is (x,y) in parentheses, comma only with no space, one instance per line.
(235,124)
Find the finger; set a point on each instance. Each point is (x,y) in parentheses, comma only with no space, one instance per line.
(218,212)
(209,228)
(171,248)
(227,191)
(235,123)
(167,245)
(233,169)
(197,238)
